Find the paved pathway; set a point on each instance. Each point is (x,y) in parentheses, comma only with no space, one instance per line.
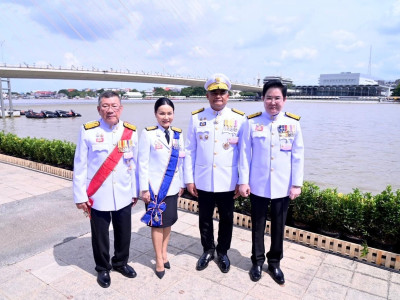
(38,207)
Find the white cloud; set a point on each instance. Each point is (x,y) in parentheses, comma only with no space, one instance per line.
(350,46)
(346,41)
(70,60)
(278,25)
(396,8)
(198,51)
(303,53)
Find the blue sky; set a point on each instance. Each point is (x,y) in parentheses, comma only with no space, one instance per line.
(245,40)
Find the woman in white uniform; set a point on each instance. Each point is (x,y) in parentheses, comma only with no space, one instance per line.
(161,153)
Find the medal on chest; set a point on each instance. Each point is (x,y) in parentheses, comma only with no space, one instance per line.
(124,146)
(259,127)
(203,121)
(99,137)
(158,145)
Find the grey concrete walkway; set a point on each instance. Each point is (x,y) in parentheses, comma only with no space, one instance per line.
(61,266)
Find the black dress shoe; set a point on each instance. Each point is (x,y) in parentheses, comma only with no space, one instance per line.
(223,263)
(276,274)
(103,279)
(126,270)
(203,261)
(160,274)
(167,265)
(255,273)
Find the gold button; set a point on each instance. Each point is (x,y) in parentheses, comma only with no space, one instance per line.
(272,169)
(272,158)
(272,133)
(216,141)
(216,128)
(272,146)
(215,153)
(215,166)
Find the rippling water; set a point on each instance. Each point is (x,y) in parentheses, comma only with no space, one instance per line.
(348,145)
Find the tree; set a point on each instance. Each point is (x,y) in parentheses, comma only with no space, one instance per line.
(159,91)
(193,91)
(396,91)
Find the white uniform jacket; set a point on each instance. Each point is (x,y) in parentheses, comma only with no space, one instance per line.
(212,149)
(93,147)
(154,155)
(272,155)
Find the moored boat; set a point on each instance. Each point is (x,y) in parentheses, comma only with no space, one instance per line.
(67,114)
(49,114)
(34,115)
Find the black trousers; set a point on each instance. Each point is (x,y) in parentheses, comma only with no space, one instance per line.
(225,204)
(100,224)
(259,210)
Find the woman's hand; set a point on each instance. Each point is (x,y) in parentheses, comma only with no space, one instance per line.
(146,196)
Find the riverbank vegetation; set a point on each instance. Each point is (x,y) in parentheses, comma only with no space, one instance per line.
(358,217)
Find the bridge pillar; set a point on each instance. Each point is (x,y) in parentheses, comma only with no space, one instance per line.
(8,89)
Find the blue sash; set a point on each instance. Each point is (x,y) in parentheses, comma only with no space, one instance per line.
(156,207)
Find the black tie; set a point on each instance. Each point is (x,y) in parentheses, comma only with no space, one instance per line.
(167,135)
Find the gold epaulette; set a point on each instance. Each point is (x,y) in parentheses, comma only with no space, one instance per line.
(238,111)
(176,129)
(151,128)
(90,125)
(197,111)
(130,126)
(254,115)
(293,116)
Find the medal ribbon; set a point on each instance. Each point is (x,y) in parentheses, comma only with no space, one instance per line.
(157,206)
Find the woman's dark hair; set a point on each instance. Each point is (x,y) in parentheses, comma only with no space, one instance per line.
(163,101)
(274,84)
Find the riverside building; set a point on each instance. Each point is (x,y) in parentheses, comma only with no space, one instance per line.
(344,84)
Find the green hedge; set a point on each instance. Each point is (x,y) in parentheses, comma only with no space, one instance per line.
(55,152)
(356,216)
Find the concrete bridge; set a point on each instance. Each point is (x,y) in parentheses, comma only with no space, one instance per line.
(28,72)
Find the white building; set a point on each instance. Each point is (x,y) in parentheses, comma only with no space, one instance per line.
(285,81)
(346,78)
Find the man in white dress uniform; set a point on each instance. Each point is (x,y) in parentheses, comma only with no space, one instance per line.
(211,168)
(271,171)
(105,184)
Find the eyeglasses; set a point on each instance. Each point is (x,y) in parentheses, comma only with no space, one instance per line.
(113,107)
(270,99)
(219,92)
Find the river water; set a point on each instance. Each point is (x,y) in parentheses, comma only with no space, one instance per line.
(347,145)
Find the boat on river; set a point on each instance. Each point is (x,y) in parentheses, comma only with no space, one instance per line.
(49,114)
(34,115)
(67,114)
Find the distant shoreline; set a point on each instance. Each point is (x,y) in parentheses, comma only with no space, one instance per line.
(34,102)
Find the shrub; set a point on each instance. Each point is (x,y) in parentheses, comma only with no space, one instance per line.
(55,152)
(385,217)
(327,210)
(303,208)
